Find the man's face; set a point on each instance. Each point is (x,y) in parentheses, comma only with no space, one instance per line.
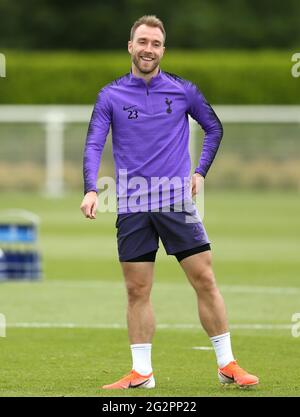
(146,48)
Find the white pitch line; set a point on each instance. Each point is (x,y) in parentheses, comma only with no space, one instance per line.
(260,290)
(40,325)
(261,326)
(224,288)
(202,348)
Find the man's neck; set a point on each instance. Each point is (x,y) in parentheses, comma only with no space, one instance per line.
(147,77)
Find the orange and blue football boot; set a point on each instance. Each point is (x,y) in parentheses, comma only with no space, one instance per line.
(234,374)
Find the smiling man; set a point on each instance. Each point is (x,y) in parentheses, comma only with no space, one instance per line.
(148,111)
(146,56)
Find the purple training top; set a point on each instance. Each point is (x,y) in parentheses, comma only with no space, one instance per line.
(150,136)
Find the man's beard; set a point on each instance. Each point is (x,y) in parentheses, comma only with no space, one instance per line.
(145,71)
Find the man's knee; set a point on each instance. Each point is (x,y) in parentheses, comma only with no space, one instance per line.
(138,291)
(203,279)
(138,279)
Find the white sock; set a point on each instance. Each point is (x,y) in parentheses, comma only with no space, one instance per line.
(141,358)
(222,346)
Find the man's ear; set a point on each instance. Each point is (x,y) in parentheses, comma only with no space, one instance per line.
(130,47)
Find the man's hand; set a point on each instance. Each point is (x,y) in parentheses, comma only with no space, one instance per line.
(89,205)
(196,183)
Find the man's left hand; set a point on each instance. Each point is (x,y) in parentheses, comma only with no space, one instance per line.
(196,183)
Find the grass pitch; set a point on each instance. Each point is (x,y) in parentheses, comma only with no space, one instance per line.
(67,335)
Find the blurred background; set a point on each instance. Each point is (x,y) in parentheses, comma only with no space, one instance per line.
(59,54)
(62,53)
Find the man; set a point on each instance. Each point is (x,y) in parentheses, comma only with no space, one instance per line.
(148,111)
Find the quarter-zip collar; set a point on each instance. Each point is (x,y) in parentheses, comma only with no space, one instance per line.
(140,81)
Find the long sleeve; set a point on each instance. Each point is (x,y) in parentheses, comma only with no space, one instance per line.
(95,141)
(202,112)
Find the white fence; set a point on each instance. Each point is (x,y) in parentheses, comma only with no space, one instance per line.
(54,118)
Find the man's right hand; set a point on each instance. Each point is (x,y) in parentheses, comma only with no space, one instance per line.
(89,205)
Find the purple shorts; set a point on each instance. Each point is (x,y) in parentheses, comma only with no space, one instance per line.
(139,233)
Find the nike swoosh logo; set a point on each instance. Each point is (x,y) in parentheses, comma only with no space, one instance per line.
(227,376)
(127,108)
(138,385)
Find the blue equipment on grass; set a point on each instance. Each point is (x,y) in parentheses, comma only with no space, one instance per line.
(20,257)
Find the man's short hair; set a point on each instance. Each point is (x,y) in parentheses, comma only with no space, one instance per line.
(149,20)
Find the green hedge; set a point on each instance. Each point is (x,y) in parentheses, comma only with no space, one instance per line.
(233,77)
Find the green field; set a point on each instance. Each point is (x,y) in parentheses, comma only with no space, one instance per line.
(66,335)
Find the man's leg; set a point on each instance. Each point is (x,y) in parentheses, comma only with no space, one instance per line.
(211,306)
(140,317)
(212,313)
(141,323)
(137,247)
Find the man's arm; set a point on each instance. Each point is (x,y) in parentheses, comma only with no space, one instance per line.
(95,141)
(202,112)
